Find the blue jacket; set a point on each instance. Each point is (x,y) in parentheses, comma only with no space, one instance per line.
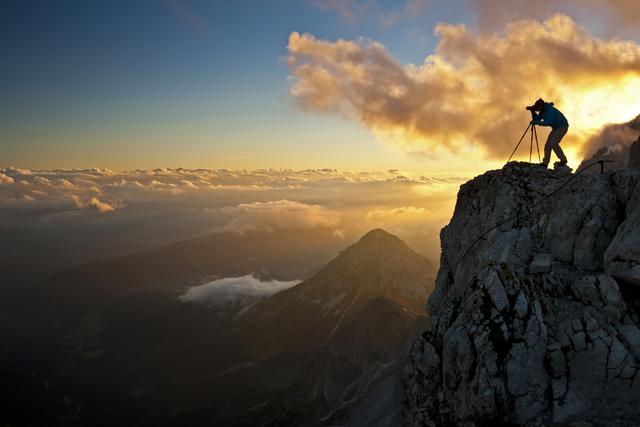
(551,117)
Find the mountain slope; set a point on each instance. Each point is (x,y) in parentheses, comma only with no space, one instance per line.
(87,288)
(134,353)
(537,323)
(326,321)
(379,265)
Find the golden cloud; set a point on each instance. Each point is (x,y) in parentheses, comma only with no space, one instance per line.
(470,94)
(612,14)
(278,215)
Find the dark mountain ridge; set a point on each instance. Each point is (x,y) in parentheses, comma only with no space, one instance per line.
(138,355)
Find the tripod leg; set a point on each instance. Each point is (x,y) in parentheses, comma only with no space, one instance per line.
(531,144)
(535,131)
(523,135)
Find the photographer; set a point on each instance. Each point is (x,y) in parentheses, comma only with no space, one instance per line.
(545,114)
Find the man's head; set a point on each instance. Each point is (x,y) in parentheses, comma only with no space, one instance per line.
(539,105)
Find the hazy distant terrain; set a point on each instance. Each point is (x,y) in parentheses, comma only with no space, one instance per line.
(123,291)
(119,340)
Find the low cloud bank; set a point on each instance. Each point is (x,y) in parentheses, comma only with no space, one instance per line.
(278,215)
(233,294)
(91,213)
(247,200)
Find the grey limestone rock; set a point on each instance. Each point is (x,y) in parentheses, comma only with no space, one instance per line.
(537,324)
(541,264)
(634,155)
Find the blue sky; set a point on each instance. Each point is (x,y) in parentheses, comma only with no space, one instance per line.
(85,80)
(167,83)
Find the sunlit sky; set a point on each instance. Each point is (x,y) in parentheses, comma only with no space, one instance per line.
(206,84)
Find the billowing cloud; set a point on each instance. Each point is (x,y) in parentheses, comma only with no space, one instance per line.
(614,14)
(100,206)
(92,203)
(234,294)
(612,143)
(4,179)
(469,96)
(278,215)
(391,219)
(615,135)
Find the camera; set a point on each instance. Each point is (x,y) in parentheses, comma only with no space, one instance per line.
(531,108)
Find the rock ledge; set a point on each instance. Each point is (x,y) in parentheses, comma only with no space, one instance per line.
(539,323)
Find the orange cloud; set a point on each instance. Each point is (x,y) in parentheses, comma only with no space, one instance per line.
(473,89)
(612,14)
(278,215)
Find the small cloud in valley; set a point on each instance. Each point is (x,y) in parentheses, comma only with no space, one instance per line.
(234,294)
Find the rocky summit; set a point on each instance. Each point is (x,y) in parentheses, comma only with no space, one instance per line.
(535,316)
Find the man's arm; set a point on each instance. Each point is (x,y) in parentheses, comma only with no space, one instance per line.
(538,122)
(537,119)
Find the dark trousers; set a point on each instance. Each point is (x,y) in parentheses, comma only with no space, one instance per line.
(553,143)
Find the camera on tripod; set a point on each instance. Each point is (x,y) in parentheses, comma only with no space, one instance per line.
(538,106)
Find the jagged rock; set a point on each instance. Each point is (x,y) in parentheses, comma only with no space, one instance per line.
(541,264)
(562,168)
(634,155)
(631,336)
(521,306)
(496,291)
(622,257)
(530,325)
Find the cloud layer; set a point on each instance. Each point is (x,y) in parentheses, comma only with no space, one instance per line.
(238,194)
(472,91)
(82,215)
(278,215)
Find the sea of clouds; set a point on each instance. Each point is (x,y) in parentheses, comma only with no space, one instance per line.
(62,217)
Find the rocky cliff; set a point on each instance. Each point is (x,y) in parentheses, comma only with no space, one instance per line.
(536,322)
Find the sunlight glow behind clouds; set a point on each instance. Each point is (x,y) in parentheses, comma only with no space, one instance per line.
(221,200)
(471,93)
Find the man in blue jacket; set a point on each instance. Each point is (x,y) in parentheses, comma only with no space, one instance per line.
(545,114)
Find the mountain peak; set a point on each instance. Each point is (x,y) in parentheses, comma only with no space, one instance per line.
(378,233)
(381,242)
(379,264)
(378,236)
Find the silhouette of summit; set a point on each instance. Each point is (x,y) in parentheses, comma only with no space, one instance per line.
(356,318)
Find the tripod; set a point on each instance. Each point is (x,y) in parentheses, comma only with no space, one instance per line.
(534,135)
